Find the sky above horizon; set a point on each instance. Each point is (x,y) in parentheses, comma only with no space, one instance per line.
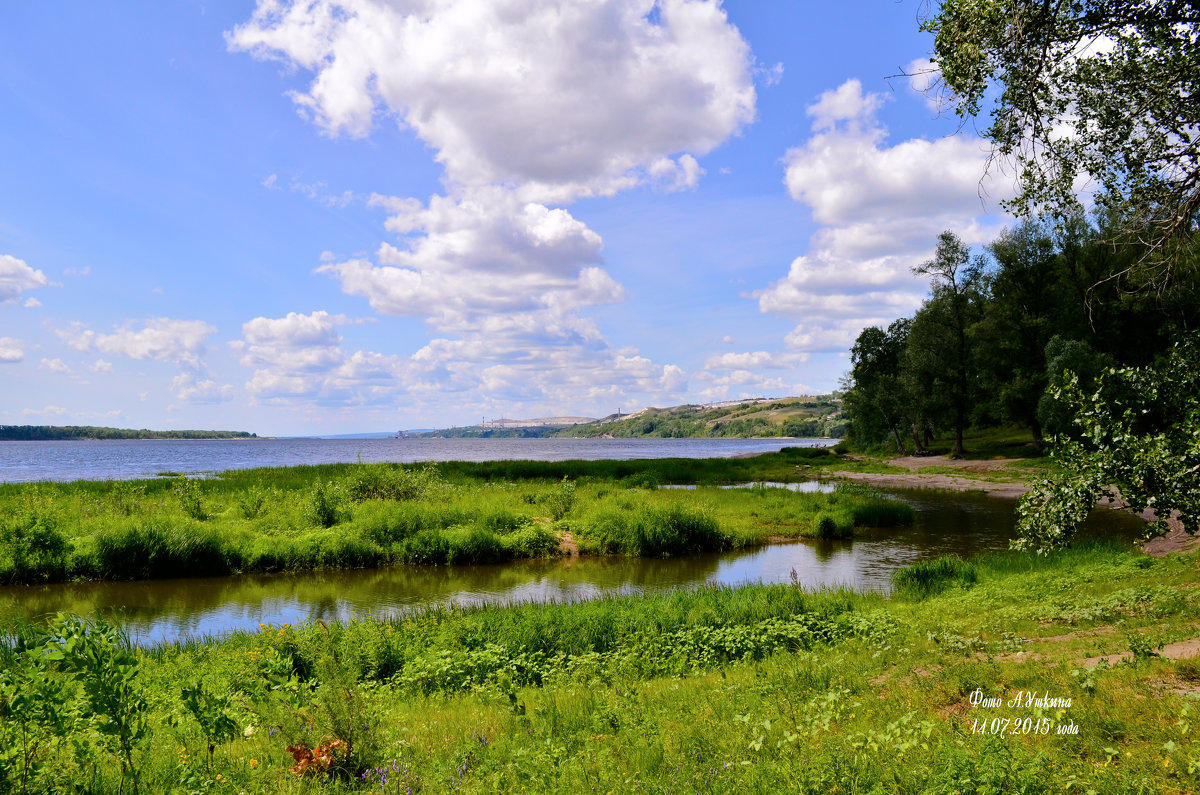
(332,217)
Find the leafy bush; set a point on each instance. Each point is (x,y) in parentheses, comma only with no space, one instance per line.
(391,482)
(32,548)
(807,453)
(326,504)
(255,499)
(561,499)
(639,480)
(187,491)
(883,513)
(653,531)
(828,526)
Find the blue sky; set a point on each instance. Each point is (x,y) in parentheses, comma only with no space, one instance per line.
(343,216)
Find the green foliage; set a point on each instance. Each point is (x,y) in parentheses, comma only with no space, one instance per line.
(213,714)
(327,504)
(254,500)
(652,531)
(560,500)
(756,689)
(191,500)
(1136,438)
(456,512)
(391,482)
(33,433)
(32,547)
(97,657)
(1124,102)
(158,548)
(931,577)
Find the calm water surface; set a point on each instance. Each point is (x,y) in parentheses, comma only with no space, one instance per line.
(169,610)
(22,462)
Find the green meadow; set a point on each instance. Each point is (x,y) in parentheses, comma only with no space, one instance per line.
(973,676)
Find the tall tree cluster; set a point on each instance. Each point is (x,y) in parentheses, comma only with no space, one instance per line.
(998,329)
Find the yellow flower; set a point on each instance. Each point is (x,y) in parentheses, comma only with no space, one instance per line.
(253,763)
(220,777)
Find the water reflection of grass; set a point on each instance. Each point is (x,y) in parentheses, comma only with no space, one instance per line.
(353,516)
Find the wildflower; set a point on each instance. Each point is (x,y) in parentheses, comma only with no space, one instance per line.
(249,730)
(253,763)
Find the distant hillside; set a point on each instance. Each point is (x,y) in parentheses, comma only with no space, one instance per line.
(39,433)
(817,416)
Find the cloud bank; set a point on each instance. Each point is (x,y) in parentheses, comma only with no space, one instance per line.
(881,207)
(526,104)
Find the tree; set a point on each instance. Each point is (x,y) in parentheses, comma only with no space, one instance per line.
(874,398)
(1067,359)
(1137,438)
(1099,88)
(944,322)
(1019,319)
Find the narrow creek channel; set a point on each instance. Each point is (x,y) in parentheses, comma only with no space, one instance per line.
(165,611)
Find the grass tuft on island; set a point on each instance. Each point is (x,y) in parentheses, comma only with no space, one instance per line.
(360,515)
(1004,673)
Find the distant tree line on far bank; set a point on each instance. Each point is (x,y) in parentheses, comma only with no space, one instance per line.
(39,433)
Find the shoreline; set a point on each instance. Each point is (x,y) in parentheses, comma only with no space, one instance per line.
(1174,541)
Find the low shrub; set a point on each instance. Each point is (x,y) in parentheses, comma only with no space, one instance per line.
(653,531)
(930,577)
(807,453)
(187,491)
(392,482)
(883,513)
(830,526)
(32,548)
(326,504)
(157,549)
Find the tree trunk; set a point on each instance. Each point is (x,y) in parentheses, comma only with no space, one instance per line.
(916,437)
(899,445)
(1039,440)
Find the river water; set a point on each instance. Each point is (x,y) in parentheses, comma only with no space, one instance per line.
(163,611)
(22,462)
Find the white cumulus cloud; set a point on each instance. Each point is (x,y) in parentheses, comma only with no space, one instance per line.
(881,206)
(189,388)
(54,366)
(474,257)
(11,350)
(526,104)
(565,98)
(15,277)
(161,338)
(47,411)
(301,356)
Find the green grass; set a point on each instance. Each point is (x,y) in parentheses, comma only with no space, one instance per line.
(365,515)
(761,689)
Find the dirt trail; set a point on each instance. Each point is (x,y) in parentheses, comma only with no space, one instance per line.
(925,480)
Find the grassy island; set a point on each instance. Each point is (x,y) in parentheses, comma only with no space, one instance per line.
(359,515)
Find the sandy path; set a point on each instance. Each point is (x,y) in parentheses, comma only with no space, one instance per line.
(925,480)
